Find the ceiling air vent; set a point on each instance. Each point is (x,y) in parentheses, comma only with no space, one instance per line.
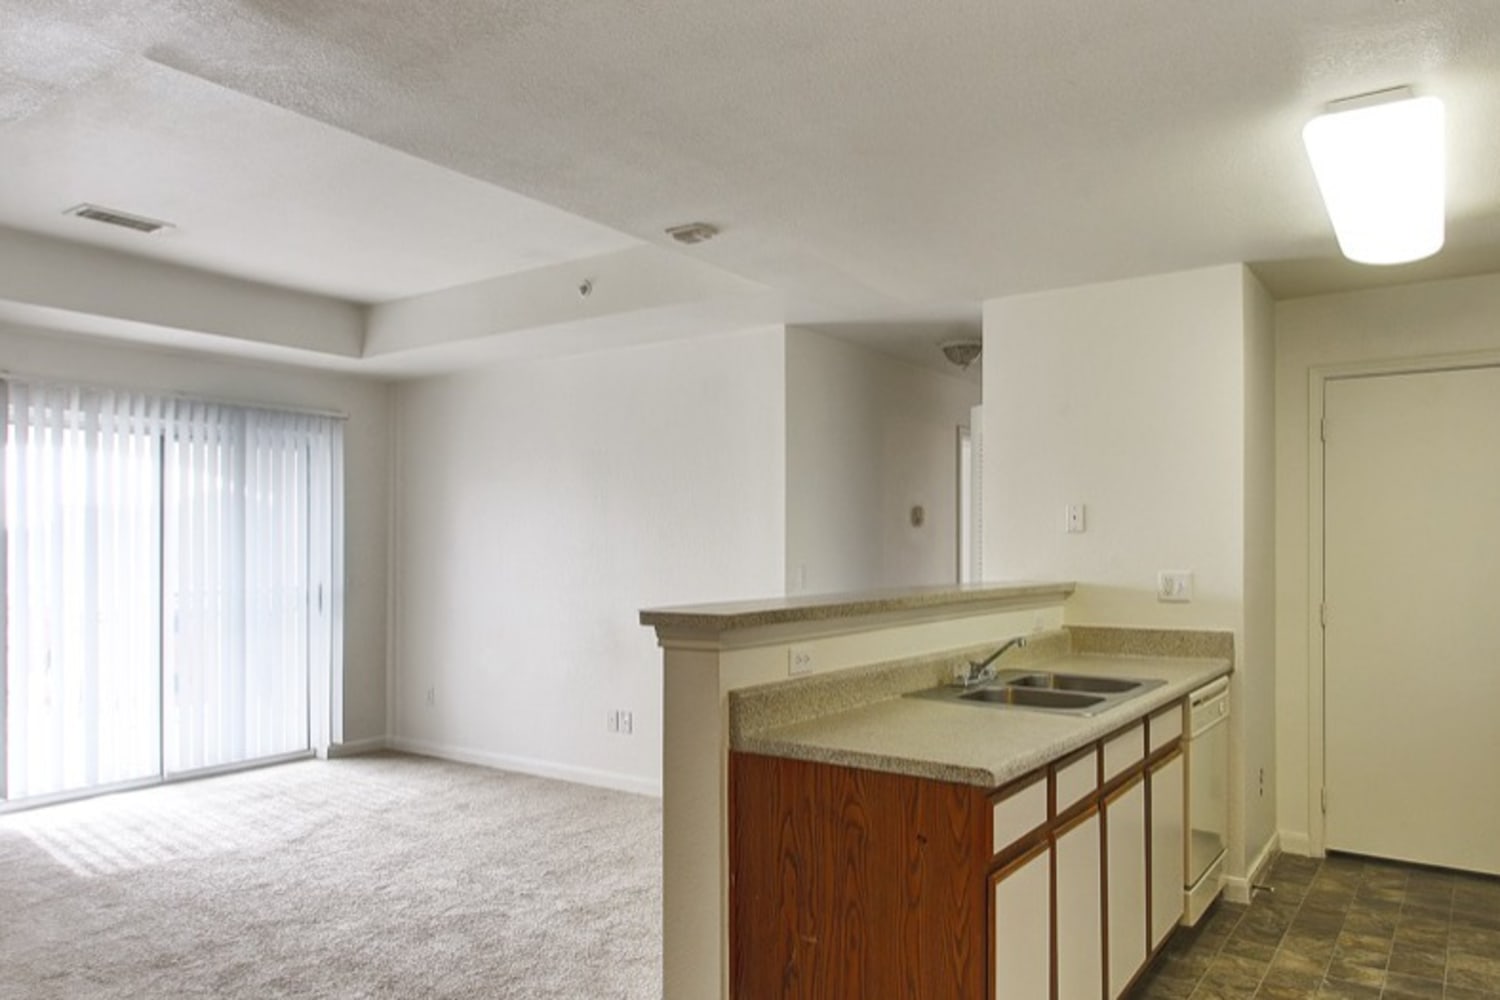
(693,232)
(124,220)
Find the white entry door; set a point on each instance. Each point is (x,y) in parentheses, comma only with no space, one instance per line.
(1412,635)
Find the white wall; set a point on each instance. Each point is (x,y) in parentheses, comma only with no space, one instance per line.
(1256,711)
(50,354)
(1126,397)
(1134,398)
(868,438)
(1426,321)
(540,506)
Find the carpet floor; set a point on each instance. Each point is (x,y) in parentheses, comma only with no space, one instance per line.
(385,876)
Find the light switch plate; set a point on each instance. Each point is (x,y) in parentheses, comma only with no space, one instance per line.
(1074,519)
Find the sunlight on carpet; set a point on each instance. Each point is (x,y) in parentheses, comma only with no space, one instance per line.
(117,833)
(373,877)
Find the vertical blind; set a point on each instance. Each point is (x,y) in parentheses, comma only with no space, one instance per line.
(170,571)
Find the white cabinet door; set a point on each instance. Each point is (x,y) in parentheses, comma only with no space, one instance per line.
(1167,847)
(1125,888)
(1080,910)
(1022,928)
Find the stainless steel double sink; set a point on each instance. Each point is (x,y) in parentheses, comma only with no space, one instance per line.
(1045,691)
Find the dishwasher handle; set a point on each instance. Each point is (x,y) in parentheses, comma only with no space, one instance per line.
(1208,707)
(1207,691)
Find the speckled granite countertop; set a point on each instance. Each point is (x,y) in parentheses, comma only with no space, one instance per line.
(974,744)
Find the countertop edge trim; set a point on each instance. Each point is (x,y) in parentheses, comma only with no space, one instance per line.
(704,621)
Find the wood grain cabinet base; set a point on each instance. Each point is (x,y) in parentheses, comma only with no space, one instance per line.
(847,883)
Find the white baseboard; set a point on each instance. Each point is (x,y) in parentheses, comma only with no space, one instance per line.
(528,765)
(1296,843)
(354,748)
(1238,888)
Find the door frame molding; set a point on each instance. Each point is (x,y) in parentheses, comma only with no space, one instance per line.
(1318,378)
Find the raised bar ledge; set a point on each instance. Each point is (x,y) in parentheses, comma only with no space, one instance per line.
(708,620)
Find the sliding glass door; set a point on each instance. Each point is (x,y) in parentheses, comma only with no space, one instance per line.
(82,519)
(169,575)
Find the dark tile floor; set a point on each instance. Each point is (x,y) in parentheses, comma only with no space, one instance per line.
(1346,928)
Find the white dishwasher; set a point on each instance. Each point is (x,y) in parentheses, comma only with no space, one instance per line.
(1207,749)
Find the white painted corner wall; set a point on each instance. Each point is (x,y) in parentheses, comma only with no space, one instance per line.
(868,438)
(1255,645)
(541,504)
(58,355)
(1149,402)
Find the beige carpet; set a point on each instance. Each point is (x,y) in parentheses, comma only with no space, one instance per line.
(381,876)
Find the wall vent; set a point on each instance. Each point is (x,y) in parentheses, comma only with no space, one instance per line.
(113,217)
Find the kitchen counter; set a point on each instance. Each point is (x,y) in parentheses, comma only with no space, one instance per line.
(973,744)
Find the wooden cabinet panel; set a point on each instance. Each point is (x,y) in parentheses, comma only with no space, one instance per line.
(1168,829)
(1022,937)
(851,883)
(1125,883)
(1080,911)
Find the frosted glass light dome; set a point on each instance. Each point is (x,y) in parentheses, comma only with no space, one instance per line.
(1381,167)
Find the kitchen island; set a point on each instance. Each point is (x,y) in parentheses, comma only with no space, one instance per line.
(933,847)
(724,664)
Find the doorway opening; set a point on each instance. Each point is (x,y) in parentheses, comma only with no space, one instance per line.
(970,455)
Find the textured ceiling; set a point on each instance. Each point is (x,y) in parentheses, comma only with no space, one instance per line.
(884,164)
(266,194)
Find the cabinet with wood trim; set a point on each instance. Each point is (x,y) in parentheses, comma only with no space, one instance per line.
(1125,882)
(1168,844)
(848,882)
(1021,890)
(1080,915)
(1021,903)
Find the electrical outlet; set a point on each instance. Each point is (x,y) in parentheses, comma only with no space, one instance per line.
(799,661)
(627,723)
(1174,586)
(612,722)
(431,696)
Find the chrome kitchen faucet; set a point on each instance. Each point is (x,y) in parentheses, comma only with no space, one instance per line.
(982,671)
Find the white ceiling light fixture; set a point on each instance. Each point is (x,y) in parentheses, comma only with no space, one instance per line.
(1380,164)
